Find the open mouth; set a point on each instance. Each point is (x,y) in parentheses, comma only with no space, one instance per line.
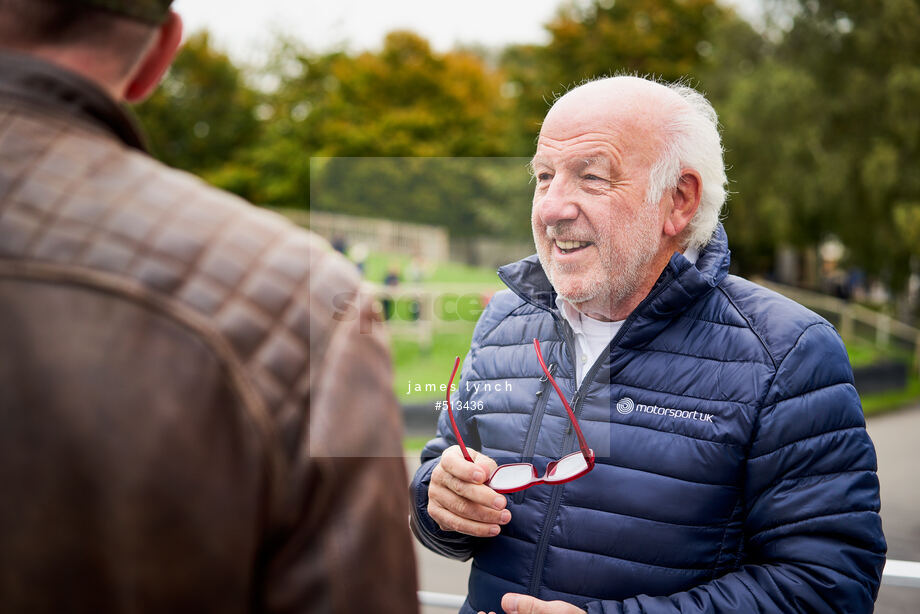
(570,247)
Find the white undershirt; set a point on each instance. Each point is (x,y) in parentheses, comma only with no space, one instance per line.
(593,336)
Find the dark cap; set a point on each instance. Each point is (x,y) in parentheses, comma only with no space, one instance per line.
(148,11)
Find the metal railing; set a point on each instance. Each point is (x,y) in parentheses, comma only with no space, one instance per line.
(440,600)
(896,573)
(847,316)
(901,573)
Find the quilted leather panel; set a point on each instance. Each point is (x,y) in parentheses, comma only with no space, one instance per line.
(77,198)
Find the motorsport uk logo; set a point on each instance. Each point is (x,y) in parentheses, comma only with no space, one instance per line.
(627,406)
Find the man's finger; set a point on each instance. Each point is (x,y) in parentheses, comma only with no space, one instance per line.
(449,521)
(484,461)
(453,462)
(478,493)
(515,603)
(466,508)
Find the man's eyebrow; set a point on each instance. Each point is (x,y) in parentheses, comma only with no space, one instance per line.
(538,159)
(595,158)
(590,158)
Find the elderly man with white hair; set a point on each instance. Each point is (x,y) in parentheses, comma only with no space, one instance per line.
(661,436)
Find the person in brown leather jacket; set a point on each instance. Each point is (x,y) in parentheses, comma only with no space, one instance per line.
(187,424)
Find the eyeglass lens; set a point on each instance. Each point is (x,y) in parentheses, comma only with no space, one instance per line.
(518,475)
(512,476)
(566,467)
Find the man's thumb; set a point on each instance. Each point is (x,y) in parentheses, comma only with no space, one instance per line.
(485,462)
(514,603)
(511,603)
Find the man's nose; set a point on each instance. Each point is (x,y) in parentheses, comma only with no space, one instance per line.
(557,204)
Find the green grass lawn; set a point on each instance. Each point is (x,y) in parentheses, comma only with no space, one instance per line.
(413,445)
(377,265)
(413,366)
(863,353)
(895,399)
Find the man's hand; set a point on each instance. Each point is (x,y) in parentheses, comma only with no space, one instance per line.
(514,603)
(459,501)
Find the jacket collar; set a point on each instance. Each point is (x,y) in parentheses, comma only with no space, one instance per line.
(677,288)
(35,83)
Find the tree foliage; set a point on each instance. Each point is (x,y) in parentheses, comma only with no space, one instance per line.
(818,107)
(203,114)
(823,135)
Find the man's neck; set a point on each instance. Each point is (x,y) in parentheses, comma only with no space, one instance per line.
(622,309)
(92,66)
(601,308)
(33,80)
(617,312)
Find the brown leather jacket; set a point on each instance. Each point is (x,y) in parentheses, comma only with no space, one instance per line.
(189,419)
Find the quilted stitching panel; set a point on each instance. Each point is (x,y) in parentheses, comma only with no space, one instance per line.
(17,225)
(21,143)
(80,199)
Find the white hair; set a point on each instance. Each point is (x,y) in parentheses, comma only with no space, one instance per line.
(692,140)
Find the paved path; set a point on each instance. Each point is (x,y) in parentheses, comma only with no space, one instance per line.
(897,440)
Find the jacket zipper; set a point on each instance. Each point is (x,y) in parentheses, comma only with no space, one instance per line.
(556,497)
(543,544)
(531,442)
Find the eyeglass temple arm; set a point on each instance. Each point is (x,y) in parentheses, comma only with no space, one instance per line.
(581,438)
(450,413)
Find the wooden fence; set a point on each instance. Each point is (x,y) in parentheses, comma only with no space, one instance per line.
(378,235)
(856,321)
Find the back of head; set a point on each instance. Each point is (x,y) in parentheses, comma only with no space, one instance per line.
(108,37)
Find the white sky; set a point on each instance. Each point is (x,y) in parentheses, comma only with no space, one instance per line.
(248,27)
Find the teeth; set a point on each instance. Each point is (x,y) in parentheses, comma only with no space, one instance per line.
(571,244)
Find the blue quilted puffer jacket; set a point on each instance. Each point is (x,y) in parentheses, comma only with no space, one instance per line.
(734,472)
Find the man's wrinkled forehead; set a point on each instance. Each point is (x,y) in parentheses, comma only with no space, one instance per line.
(628,114)
(581,156)
(602,140)
(569,122)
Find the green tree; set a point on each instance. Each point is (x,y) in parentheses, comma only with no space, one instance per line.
(471,196)
(404,101)
(671,39)
(839,129)
(667,38)
(202,117)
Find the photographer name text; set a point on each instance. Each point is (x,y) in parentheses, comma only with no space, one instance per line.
(470,387)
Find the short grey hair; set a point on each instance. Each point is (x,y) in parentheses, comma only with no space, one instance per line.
(692,140)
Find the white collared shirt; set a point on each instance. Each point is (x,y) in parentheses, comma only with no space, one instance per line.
(593,336)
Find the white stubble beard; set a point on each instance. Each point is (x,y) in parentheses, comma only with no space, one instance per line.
(620,272)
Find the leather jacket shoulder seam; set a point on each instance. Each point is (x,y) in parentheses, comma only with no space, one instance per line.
(119,286)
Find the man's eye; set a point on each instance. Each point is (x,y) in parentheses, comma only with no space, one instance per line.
(593,178)
(544,176)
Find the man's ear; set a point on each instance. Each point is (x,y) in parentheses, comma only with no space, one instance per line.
(685,200)
(157,59)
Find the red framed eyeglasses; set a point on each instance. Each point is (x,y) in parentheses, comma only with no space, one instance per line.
(518,476)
